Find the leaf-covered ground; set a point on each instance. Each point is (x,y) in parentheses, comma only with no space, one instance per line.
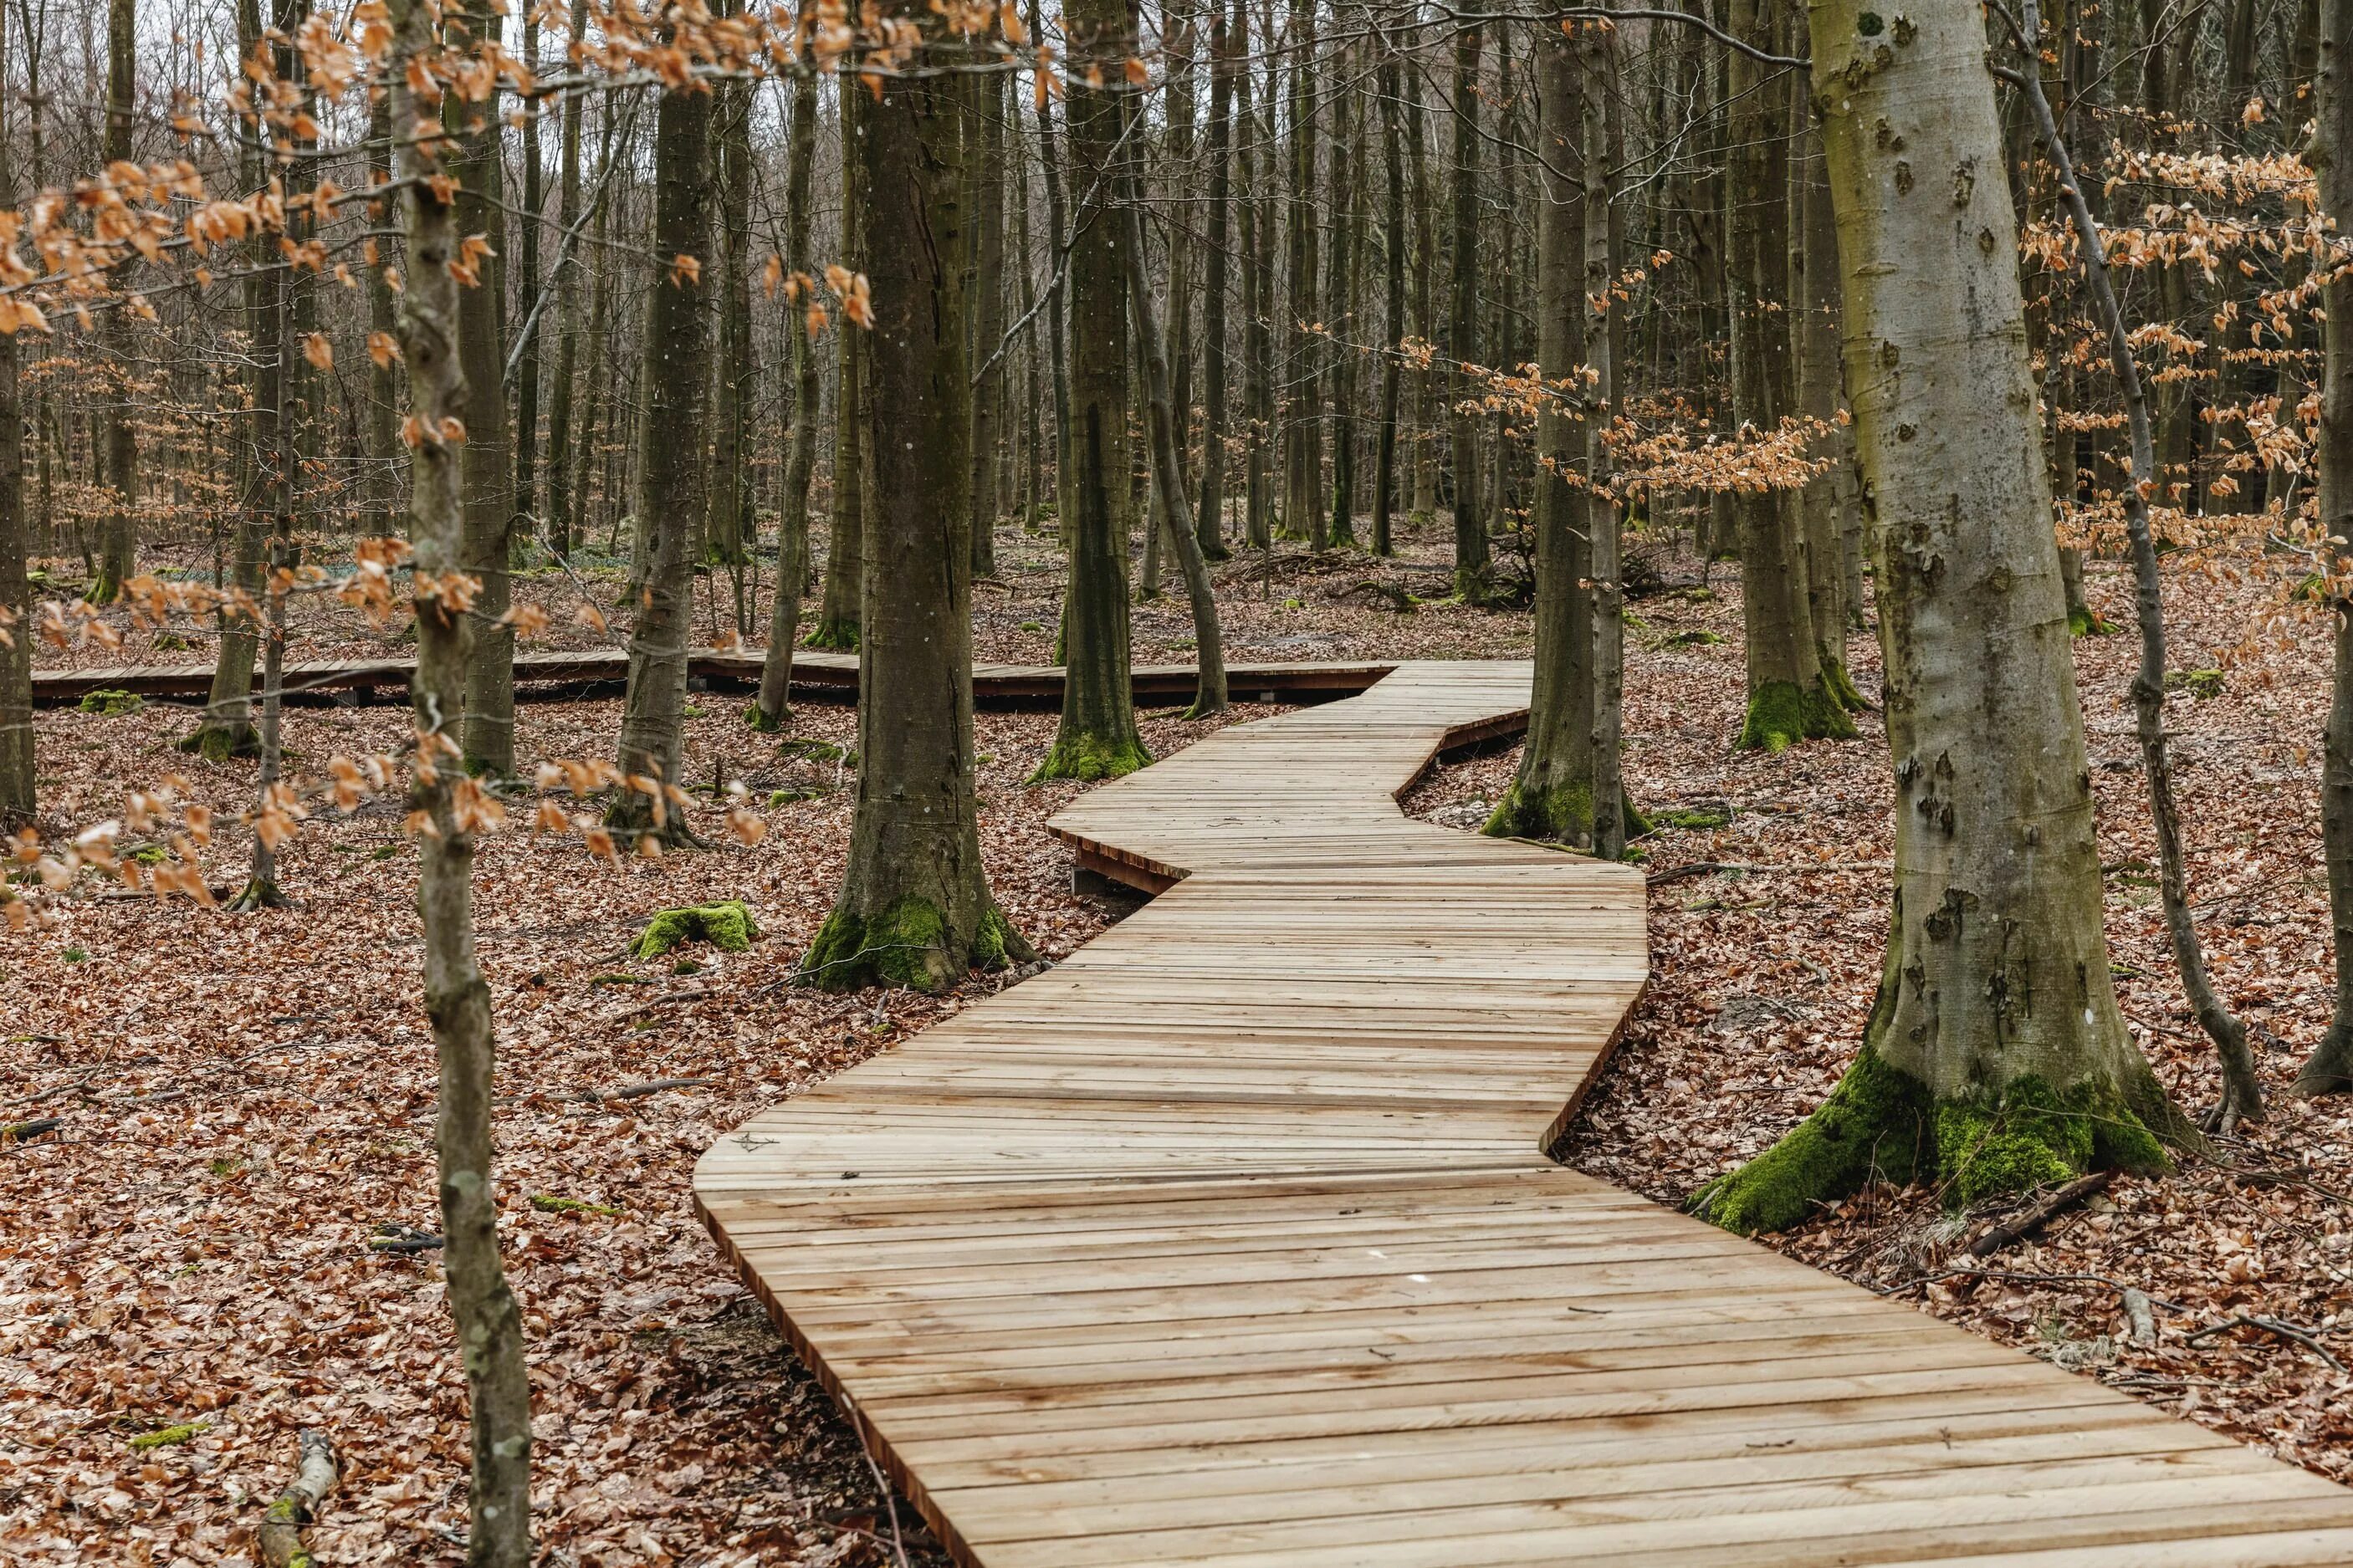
(245,1101)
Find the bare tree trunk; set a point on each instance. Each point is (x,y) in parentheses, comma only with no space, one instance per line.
(1302,446)
(914,907)
(525,503)
(988,168)
(260,891)
(1169,478)
(1551,796)
(17,775)
(457,999)
(478,166)
(839,611)
(1822,504)
(1603,138)
(1393,292)
(672,472)
(1258,298)
(385,459)
(1472,570)
(118,557)
(1996,1057)
(728,523)
(775,705)
(1049,167)
(2242,1097)
(228,729)
(562,519)
(1097,738)
(2330,1069)
(1208,528)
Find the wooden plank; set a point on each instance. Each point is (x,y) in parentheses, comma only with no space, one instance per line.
(1230,1239)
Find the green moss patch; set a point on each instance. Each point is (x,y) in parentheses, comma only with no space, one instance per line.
(112,701)
(545,1203)
(167,1436)
(1088,758)
(1781,713)
(1882,1123)
(727,926)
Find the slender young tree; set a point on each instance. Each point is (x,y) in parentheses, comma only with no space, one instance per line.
(457,998)
(914,907)
(1996,1057)
(118,554)
(675,373)
(2329,1070)
(1473,564)
(727,522)
(986,165)
(1208,527)
(16,772)
(840,607)
(228,729)
(560,519)
(532,215)
(1098,738)
(1258,297)
(774,706)
(1393,322)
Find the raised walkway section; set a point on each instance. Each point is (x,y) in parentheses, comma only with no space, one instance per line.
(1231,1241)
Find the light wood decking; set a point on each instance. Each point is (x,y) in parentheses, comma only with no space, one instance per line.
(1231,1241)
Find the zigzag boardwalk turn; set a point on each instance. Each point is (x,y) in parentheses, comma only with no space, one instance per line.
(1232,1241)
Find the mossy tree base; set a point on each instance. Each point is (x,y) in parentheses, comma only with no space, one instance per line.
(220,742)
(1781,713)
(2083,621)
(911,943)
(259,894)
(1562,815)
(1091,758)
(1882,1123)
(729,927)
(1840,687)
(2329,1069)
(765,723)
(840,637)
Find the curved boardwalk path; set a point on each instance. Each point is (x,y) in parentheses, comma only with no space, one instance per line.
(1230,1241)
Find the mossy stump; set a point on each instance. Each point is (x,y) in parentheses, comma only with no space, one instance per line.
(839,635)
(1882,1123)
(728,926)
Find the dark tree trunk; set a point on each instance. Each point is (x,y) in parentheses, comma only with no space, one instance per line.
(526,368)
(1471,562)
(672,472)
(774,703)
(478,167)
(562,518)
(118,557)
(987,169)
(16,772)
(1097,738)
(914,907)
(1393,294)
(1208,528)
(839,610)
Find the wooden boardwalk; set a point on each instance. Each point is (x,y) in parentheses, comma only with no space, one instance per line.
(1231,1241)
(815,674)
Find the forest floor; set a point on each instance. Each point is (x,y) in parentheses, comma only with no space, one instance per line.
(185,1270)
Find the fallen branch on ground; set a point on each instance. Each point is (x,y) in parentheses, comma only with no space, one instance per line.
(2270,1326)
(280,1537)
(1995,1237)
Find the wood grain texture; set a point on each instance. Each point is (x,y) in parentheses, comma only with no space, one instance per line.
(1230,1241)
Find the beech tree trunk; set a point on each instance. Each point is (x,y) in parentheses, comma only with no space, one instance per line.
(672,472)
(839,610)
(2330,1069)
(1098,738)
(226,730)
(457,999)
(914,907)
(562,519)
(525,500)
(18,793)
(1472,561)
(119,551)
(1996,1057)
(774,704)
(1208,527)
(727,522)
(1789,696)
(1824,503)
(479,169)
(988,168)
(1258,300)
(1393,320)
